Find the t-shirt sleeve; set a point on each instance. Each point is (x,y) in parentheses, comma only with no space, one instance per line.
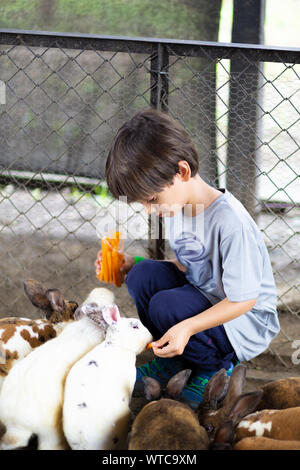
(242,264)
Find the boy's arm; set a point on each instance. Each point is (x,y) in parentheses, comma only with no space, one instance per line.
(178,336)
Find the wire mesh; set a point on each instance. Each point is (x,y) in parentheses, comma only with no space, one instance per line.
(65,98)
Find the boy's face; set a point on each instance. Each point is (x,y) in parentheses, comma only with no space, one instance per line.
(170,201)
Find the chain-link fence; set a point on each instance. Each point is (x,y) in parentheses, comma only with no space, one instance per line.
(66,95)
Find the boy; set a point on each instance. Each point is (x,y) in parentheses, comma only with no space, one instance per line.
(215,304)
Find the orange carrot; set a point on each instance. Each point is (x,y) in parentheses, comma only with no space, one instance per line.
(112,260)
(104,260)
(113,265)
(109,265)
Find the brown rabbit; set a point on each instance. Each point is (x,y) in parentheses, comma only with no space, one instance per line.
(233,407)
(167,424)
(280,394)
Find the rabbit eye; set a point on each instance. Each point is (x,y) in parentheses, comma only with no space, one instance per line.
(134,325)
(209,428)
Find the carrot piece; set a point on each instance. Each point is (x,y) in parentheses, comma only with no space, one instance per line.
(117,238)
(104,260)
(109,265)
(116,270)
(113,267)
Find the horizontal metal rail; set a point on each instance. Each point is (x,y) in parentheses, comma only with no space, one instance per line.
(146,45)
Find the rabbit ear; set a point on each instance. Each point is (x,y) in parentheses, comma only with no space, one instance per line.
(56,300)
(152,388)
(86,310)
(244,405)
(111,314)
(177,383)
(36,293)
(215,390)
(92,311)
(235,386)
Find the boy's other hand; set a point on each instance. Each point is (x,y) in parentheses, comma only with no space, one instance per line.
(173,342)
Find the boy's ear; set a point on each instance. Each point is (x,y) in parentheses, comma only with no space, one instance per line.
(184,170)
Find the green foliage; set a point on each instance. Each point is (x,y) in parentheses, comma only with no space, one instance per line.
(172,18)
(125,17)
(17,14)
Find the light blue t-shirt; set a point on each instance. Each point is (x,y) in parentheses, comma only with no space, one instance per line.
(225,256)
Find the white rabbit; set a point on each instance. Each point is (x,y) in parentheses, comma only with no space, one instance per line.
(98,388)
(101,296)
(32,395)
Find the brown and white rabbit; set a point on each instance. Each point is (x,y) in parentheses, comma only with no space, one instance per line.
(167,424)
(265,443)
(262,430)
(31,398)
(19,336)
(276,424)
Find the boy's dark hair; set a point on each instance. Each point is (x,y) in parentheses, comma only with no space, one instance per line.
(145,153)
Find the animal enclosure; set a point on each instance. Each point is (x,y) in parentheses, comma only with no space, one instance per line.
(66,95)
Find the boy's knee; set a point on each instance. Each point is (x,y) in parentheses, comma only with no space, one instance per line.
(160,310)
(139,275)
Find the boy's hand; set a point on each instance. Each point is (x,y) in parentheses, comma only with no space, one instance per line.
(98,262)
(173,342)
(128,262)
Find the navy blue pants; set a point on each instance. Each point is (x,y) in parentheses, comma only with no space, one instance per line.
(163,298)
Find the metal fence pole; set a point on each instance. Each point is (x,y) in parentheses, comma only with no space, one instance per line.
(243,126)
(159,101)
